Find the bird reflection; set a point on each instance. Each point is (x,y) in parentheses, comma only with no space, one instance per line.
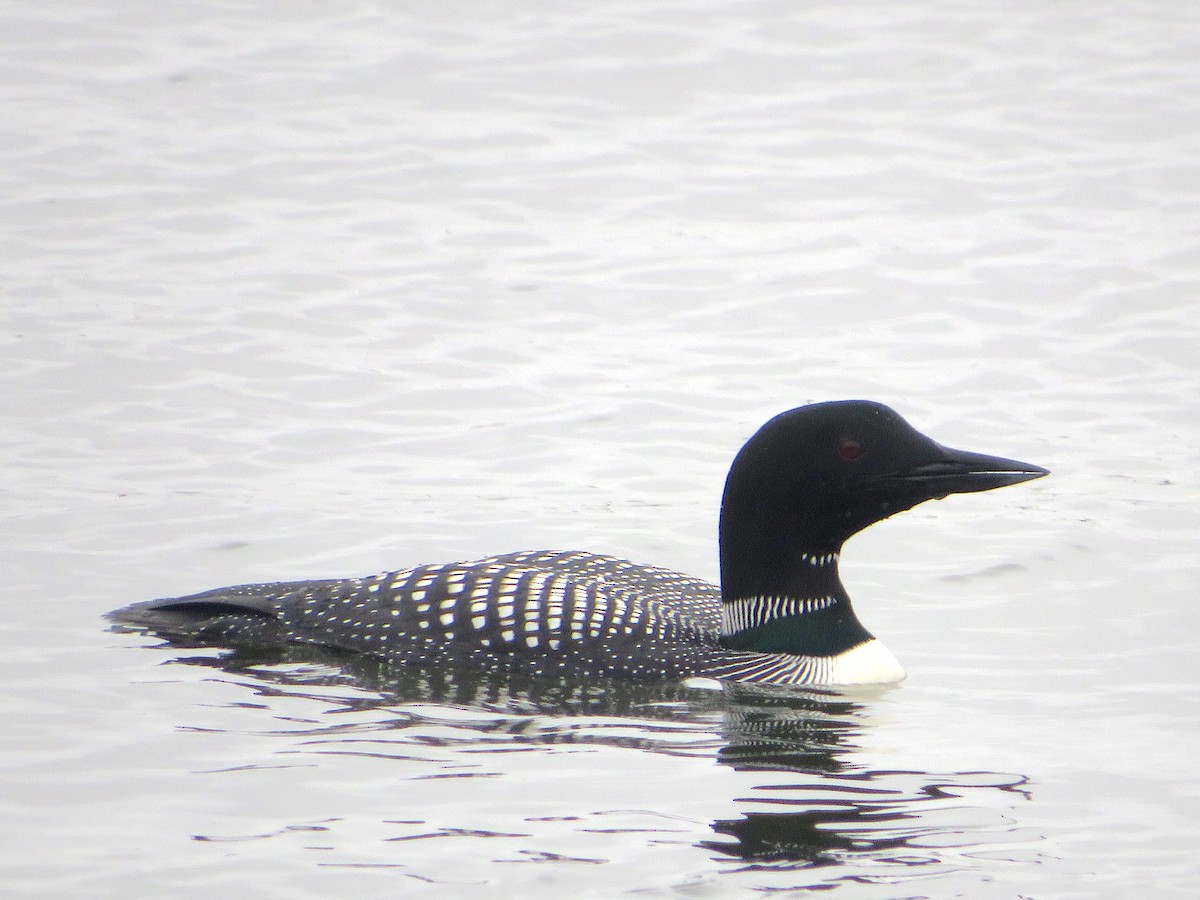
(845,812)
(811,838)
(751,726)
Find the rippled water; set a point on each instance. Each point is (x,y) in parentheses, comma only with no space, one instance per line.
(305,290)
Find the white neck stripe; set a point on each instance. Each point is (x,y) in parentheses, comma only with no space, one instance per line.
(750,612)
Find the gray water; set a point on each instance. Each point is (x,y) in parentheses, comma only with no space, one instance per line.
(314,290)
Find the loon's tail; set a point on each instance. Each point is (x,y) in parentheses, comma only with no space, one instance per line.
(248,614)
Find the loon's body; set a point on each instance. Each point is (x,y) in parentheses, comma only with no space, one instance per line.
(808,480)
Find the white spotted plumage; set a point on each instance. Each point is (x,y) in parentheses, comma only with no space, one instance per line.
(554,613)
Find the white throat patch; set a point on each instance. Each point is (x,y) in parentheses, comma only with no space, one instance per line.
(867,663)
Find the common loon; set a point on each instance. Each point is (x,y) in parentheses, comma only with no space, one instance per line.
(804,483)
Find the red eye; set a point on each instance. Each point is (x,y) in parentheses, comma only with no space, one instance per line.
(850,449)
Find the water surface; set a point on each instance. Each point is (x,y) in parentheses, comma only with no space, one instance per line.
(309,291)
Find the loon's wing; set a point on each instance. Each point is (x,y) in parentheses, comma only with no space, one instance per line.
(575,605)
(689,603)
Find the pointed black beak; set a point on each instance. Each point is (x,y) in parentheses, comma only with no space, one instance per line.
(961,472)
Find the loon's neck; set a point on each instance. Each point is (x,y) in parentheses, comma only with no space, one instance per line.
(794,604)
(780,547)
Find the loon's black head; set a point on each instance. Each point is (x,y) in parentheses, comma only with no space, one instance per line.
(813,476)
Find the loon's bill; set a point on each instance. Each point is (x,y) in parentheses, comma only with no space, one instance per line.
(962,472)
(799,488)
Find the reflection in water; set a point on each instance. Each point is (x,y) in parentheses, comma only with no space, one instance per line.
(803,837)
(835,812)
(768,727)
(895,817)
